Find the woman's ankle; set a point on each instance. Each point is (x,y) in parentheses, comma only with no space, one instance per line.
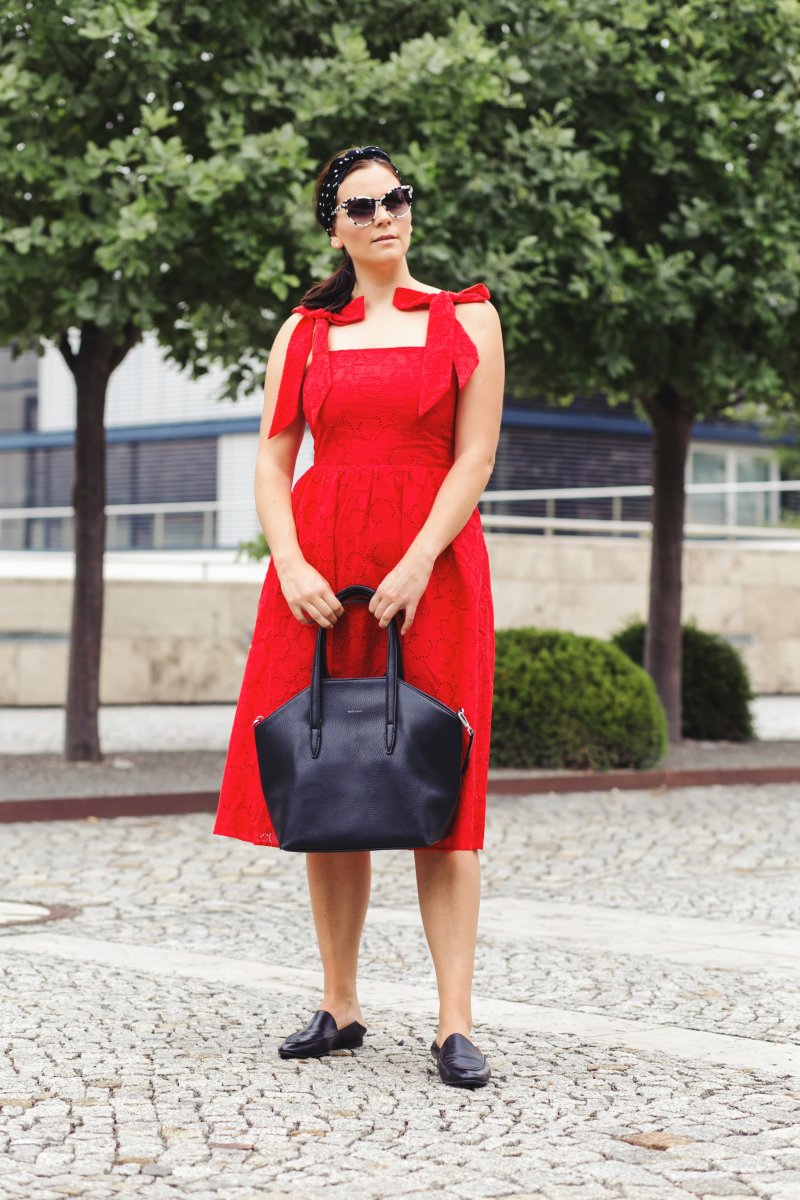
(453,1023)
(343,1009)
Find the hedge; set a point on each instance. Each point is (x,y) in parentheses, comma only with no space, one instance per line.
(562,700)
(715,685)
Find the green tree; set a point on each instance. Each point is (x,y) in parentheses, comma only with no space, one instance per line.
(155,159)
(653,249)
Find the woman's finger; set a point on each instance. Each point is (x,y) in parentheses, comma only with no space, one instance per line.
(409,619)
(390,612)
(318,616)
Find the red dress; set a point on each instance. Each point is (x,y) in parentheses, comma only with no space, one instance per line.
(383,424)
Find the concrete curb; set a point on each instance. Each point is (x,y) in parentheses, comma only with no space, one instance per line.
(71,808)
(76,808)
(607,781)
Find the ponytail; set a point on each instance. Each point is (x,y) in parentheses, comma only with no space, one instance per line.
(335,291)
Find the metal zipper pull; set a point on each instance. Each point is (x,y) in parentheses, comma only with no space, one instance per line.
(462,716)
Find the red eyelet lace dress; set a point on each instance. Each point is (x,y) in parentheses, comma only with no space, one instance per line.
(383,424)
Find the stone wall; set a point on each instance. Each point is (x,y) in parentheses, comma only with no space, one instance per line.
(749,595)
(168,641)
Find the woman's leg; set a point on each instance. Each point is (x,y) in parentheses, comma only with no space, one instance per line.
(449,888)
(339,885)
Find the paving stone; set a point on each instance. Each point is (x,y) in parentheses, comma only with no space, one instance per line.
(127,1076)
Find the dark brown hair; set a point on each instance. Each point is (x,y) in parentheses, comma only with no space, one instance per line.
(335,291)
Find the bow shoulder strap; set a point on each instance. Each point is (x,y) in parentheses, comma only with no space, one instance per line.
(310,335)
(448,344)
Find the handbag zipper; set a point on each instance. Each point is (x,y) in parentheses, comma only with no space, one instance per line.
(462,716)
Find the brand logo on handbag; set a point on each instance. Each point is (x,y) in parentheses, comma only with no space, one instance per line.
(355,710)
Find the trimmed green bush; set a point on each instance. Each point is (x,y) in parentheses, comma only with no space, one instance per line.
(715,685)
(561,700)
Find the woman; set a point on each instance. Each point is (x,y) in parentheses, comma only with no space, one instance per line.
(403,449)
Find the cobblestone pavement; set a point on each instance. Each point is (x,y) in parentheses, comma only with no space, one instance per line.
(636,993)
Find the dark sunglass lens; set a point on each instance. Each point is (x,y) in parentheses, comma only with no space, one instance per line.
(397,202)
(359,209)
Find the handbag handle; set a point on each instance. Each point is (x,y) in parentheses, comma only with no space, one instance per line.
(319,671)
(361,593)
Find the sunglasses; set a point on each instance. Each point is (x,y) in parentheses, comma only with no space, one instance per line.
(362,210)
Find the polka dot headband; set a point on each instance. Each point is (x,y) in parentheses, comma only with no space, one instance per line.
(336,173)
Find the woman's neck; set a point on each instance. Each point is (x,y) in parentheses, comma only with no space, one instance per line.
(379,292)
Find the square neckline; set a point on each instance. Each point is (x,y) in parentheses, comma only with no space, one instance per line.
(361,349)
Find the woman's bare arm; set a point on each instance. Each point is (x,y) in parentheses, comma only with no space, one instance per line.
(306,591)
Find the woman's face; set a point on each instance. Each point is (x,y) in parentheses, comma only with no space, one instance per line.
(387,239)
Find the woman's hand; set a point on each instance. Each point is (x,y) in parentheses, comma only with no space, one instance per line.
(305,589)
(402,588)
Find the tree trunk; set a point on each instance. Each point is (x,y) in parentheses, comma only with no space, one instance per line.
(671,416)
(92,366)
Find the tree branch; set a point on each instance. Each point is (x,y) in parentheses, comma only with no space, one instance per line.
(132,335)
(66,351)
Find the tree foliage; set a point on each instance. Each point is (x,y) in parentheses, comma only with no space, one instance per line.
(157,158)
(622,173)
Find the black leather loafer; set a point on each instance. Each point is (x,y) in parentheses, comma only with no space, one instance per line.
(320,1036)
(460,1063)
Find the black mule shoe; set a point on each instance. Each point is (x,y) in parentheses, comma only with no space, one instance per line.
(460,1063)
(320,1036)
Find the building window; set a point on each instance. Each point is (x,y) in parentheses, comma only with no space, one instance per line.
(732,464)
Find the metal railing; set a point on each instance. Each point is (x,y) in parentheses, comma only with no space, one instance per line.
(615,524)
(128,526)
(194,525)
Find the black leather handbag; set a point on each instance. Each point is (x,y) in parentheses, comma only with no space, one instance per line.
(361,764)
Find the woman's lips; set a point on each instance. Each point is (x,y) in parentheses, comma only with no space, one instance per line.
(387,237)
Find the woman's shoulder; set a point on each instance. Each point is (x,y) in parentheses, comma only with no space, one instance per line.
(415,286)
(283,334)
(479,316)
(427,287)
(480,312)
(294,318)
